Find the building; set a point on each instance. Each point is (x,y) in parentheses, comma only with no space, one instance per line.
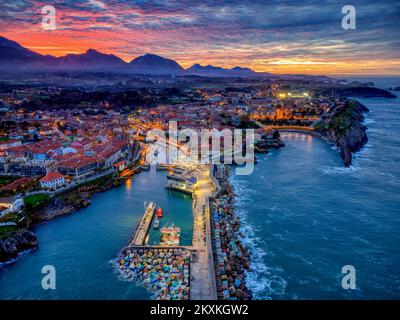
(80,166)
(8,205)
(181,183)
(119,166)
(52,180)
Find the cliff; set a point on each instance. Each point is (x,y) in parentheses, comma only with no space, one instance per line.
(15,243)
(344,126)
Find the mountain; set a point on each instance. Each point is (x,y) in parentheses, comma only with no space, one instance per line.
(14,56)
(91,60)
(211,71)
(153,64)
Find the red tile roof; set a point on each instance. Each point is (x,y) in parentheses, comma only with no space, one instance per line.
(51,176)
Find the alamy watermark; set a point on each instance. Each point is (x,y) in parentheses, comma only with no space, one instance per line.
(49,280)
(49,17)
(349,20)
(192,147)
(349,280)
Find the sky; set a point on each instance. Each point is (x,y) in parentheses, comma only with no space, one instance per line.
(286,36)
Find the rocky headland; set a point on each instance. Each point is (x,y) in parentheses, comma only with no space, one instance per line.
(343,125)
(365,92)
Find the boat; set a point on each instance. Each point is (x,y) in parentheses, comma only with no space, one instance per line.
(159,213)
(156,223)
(170,236)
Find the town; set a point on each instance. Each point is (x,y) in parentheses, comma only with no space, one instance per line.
(60,146)
(44,148)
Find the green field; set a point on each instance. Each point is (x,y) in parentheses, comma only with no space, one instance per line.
(36,200)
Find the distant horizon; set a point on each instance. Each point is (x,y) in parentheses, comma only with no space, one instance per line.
(276,37)
(354,75)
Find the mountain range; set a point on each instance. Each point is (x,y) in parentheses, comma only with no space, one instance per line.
(14,57)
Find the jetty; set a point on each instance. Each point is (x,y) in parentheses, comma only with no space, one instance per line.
(142,230)
(176,271)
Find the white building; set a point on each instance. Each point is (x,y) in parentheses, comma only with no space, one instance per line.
(8,205)
(52,180)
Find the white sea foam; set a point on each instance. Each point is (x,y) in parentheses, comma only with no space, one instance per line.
(261,279)
(333,171)
(368,121)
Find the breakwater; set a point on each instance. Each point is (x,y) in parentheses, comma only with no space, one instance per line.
(165,271)
(231,258)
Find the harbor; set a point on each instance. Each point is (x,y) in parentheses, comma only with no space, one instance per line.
(167,266)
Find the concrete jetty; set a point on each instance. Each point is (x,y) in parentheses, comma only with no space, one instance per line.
(202,285)
(144,225)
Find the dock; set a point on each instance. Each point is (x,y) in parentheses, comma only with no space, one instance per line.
(143,229)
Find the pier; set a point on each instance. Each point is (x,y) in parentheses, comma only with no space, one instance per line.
(203,285)
(143,229)
(201,271)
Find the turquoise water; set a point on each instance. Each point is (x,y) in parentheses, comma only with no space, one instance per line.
(305,215)
(81,245)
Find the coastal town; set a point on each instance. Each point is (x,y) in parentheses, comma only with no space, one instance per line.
(53,159)
(198,158)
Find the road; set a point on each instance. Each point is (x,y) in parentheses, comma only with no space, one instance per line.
(203,285)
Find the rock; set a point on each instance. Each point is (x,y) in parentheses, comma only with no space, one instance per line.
(13,245)
(344,126)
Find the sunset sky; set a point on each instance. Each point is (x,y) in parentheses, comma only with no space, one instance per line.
(272,36)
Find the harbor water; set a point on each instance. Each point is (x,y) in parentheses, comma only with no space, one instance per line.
(82,245)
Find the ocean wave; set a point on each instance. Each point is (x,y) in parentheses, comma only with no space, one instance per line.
(333,171)
(261,279)
(368,121)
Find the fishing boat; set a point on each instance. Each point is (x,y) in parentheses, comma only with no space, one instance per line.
(156,223)
(170,236)
(159,213)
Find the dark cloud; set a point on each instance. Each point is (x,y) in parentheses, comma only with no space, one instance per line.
(284,29)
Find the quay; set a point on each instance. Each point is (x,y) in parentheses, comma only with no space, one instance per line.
(196,262)
(143,229)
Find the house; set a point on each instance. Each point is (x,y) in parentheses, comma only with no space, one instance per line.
(8,205)
(119,166)
(52,180)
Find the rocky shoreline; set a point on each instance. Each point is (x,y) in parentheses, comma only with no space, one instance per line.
(18,242)
(344,127)
(231,257)
(63,204)
(73,200)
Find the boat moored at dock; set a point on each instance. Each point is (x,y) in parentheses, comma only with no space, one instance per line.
(159,213)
